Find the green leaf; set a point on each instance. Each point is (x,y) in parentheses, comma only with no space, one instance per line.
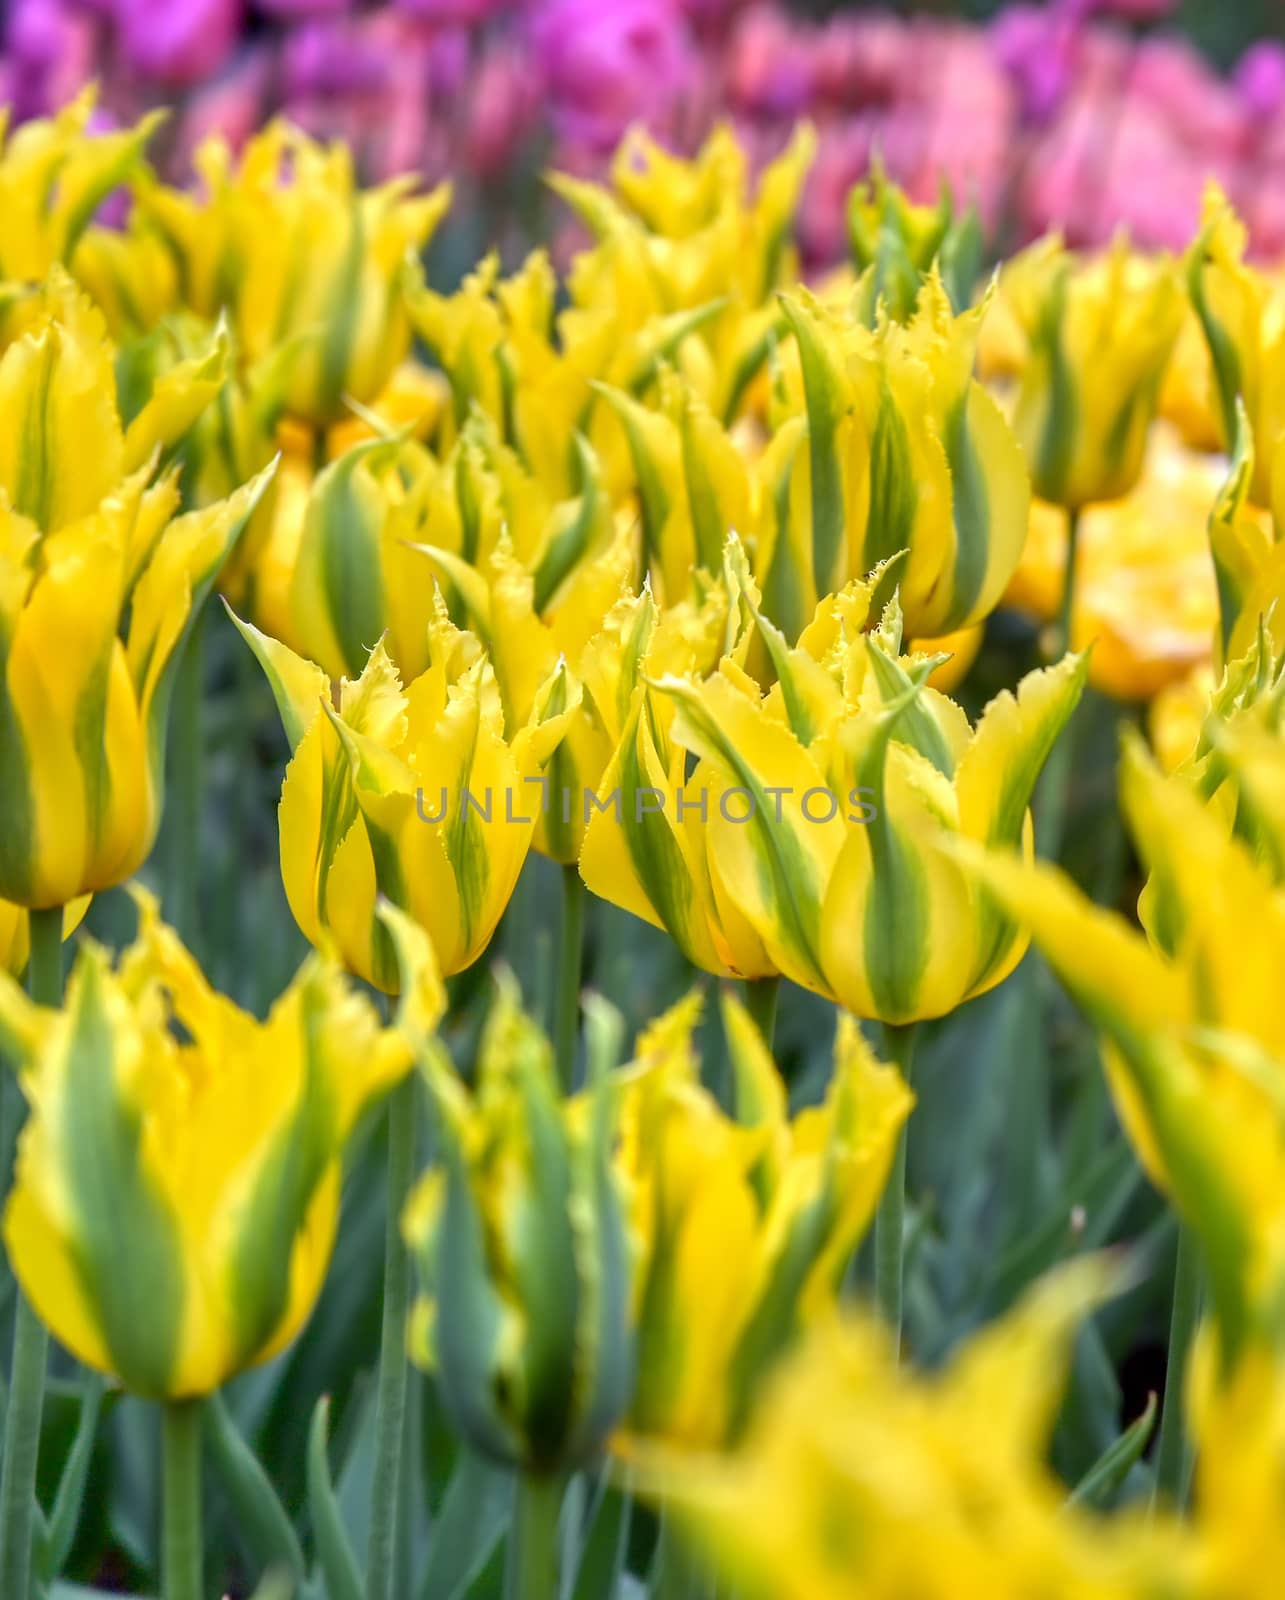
(261,1518)
(468,1528)
(1102,1482)
(64,1519)
(334,1553)
(605,1546)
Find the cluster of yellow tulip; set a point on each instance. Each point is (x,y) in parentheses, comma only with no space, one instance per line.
(666,570)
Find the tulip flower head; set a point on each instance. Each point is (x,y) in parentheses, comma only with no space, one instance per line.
(830,794)
(54,175)
(1242,311)
(415,792)
(91,548)
(1194,1047)
(177,1187)
(745,1223)
(859,1477)
(524,1261)
(904,451)
(307,264)
(1100,334)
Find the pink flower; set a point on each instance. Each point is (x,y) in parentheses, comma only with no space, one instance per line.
(859,61)
(502,110)
(452,13)
(610,63)
(288,10)
(178,44)
(1260,79)
(771,64)
(233,107)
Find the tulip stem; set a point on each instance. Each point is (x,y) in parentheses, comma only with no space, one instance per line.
(1174,1459)
(182,1545)
(1066,611)
(185,776)
(30,1340)
(899,1047)
(390,1405)
(531,1566)
(566,1020)
(761,995)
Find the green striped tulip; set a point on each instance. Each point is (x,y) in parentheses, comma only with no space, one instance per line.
(520,1239)
(176,1193)
(848,776)
(415,792)
(90,547)
(1099,336)
(903,451)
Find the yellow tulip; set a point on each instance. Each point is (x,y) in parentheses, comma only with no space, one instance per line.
(417,793)
(1242,311)
(1145,595)
(903,451)
(307,264)
(1099,334)
(744,1225)
(1193,1031)
(524,1262)
(859,1477)
(90,543)
(54,174)
(896,243)
(177,1186)
(647,828)
(827,797)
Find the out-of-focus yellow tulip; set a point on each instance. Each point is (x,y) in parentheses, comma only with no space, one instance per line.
(1189,398)
(1177,715)
(858,1477)
(416,792)
(89,543)
(826,799)
(1193,1031)
(744,1224)
(1242,311)
(903,451)
(897,243)
(177,1186)
(307,264)
(524,1261)
(54,174)
(1145,595)
(1100,333)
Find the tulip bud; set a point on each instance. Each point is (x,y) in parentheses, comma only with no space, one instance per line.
(523,1256)
(177,1187)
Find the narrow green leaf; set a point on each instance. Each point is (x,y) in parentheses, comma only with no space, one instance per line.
(474,1514)
(1102,1482)
(64,1519)
(334,1553)
(261,1518)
